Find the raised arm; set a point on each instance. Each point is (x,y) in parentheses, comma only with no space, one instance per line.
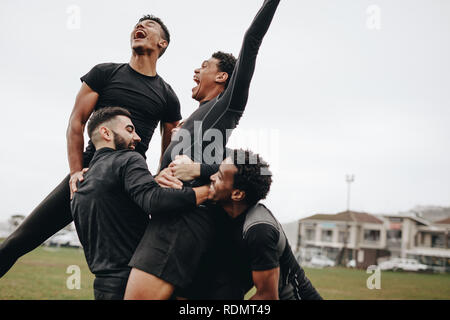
(140,185)
(237,90)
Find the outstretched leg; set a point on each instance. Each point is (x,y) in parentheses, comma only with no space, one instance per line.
(50,216)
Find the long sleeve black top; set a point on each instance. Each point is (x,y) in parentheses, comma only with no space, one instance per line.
(112,206)
(224,112)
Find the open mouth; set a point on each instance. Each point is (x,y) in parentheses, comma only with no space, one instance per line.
(140,34)
(196,88)
(196,80)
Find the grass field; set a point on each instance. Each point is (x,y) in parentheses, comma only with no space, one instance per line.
(41,274)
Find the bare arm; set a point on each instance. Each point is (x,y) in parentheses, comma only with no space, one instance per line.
(201,194)
(84,105)
(166,136)
(262,248)
(266,283)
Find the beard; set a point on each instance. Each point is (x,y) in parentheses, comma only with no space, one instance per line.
(120,142)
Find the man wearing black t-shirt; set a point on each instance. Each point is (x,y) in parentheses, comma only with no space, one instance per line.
(255,248)
(135,86)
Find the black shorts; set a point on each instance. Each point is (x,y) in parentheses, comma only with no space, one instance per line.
(109,288)
(173,246)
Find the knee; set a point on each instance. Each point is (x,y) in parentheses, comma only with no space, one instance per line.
(145,286)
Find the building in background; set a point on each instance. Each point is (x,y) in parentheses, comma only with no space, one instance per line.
(292,233)
(432,245)
(343,237)
(411,236)
(365,239)
(401,231)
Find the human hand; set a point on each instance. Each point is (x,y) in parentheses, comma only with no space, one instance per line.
(167,180)
(181,159)
(177,128)
(184,168)
(74,178)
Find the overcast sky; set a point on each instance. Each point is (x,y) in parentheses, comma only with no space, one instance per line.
(360,87)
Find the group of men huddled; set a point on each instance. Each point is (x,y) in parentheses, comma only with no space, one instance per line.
(196,230)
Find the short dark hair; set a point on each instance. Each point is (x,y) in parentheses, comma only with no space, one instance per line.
(166,34)
(104,115)
(252,176)
(227,63)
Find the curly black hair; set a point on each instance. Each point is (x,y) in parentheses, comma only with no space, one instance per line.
(165,35)
(226,63)
(104,115)
(252,176)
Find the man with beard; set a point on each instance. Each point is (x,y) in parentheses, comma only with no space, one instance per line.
(174,248)
(112,205)
(255,248)
(135,86)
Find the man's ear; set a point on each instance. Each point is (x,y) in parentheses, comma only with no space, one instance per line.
(237,195)
(222,77)
(162,44)
(105,133)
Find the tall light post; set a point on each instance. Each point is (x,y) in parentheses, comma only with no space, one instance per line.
(349,178)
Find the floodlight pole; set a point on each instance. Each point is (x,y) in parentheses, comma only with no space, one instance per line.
(349,179)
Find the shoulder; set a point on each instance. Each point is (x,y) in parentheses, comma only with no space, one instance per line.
(102,71)
(260,215)
(126,161)
(125,157)
(262,234)
(167,87)
(261,229)
(108,66)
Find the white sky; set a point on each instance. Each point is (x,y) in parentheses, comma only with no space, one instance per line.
(337,96)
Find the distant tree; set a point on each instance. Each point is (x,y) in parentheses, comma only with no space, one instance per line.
(70,227)
(15,220)
(431,213)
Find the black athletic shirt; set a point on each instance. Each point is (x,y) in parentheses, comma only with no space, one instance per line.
(149,99)
(257,242)
(224,111)
(112,205)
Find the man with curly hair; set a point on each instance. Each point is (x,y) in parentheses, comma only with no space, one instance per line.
(257,250)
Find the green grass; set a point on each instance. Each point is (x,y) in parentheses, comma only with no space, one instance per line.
(41,274)
(343,283)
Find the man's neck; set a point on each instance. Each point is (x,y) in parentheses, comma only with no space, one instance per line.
(102,145)
(214,92)
(235,209)
(144,64)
